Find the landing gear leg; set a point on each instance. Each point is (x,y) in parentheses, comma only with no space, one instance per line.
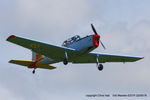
(66,59)
(99,66)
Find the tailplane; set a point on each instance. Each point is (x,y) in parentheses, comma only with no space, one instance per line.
(28,63)
(35,63)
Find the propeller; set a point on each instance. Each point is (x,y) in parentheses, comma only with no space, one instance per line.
(102,44)
(94,30)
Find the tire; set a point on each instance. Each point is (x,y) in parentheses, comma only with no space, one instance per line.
(100,67)
(65,62)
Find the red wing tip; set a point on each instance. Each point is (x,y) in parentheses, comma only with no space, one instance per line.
(141,58)
(10,37)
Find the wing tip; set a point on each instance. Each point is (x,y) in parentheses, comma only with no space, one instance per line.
(11,36)
(10,61)
(140,58)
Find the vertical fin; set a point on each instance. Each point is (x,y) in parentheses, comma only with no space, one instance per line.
(36,56)
(33,56)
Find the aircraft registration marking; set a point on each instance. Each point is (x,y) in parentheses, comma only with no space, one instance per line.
(35,46)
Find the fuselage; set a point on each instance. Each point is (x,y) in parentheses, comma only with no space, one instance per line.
(82,45)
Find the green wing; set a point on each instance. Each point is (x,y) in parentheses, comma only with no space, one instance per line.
(91,58)
(51,51)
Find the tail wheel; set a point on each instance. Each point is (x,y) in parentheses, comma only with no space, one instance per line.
(33,71)
(100,67)
(65,61)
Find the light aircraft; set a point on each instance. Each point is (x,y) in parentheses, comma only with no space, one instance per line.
(75,50)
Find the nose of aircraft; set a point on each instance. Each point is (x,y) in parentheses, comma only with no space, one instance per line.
(96,40)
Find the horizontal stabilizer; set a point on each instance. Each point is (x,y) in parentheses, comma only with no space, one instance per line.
(28,63)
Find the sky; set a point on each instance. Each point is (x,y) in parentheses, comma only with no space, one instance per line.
(124,26)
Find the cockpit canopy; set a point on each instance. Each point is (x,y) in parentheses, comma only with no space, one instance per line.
(70,40)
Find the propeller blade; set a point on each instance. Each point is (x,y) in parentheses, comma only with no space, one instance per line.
(94,30)
(102,44)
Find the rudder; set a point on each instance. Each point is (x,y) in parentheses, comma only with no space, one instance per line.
(36,56)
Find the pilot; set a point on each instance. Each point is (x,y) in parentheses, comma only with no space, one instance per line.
(73,38)
(67,42)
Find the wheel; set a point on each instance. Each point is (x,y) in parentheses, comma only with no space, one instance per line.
(100,67)
(33,71)
(65,62)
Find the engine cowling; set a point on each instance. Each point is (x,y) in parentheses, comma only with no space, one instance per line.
(96,40)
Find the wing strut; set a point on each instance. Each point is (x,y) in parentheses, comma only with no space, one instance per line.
(97,61)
